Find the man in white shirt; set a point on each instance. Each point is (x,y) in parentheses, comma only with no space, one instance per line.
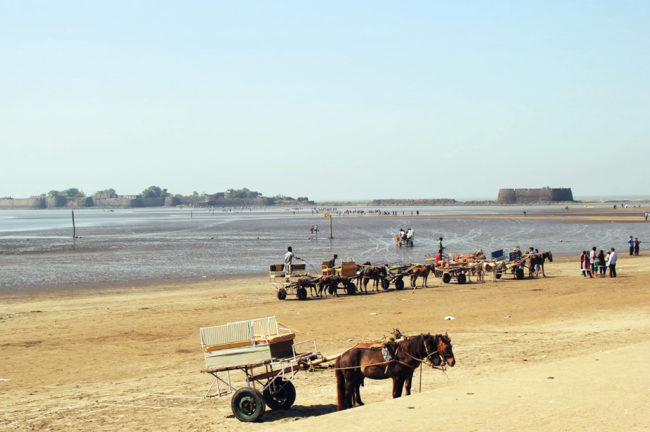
(288,259)
(612,263)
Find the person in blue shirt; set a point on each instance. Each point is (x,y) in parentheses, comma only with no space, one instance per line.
(630,243)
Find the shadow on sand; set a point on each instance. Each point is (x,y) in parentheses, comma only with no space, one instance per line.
(296,412)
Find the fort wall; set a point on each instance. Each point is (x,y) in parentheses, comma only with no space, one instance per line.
(23,203)
(534,195)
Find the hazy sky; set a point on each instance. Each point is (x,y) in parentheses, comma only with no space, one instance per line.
(330,100)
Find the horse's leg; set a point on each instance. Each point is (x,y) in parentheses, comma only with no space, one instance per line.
(358,382)
(407,383)
(349,391)
(398,383)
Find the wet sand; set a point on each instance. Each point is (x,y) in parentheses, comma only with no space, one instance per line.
(561,352)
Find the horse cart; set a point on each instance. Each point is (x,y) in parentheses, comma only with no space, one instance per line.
(340,278)
(268,357)
(294,282)
(395,275)
(459,271)
(517,264)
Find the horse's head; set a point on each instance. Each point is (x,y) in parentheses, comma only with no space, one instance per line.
(444,348)
(430,354)
(549,255)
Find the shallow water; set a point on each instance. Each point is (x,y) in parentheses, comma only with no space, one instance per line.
(37,249)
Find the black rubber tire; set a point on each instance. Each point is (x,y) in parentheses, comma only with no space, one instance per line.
(282,294)
(302,293)
(399,284)
(385,283)
(248,404)
(351,288)
(519,273)
(461,278)
(446,278)
(499,275)
(283,397)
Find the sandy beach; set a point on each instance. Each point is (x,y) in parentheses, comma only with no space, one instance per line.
(561,352)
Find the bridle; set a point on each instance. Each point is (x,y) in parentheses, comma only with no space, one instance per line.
(427,357)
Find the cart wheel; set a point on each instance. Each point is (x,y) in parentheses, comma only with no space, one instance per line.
(351,288)
(461,278)
(499,275)
(446,278)
(519,273)
(302,293)
(248,404)
(280,395)
(331,290)
(385,283)
(399,284)
(282,294)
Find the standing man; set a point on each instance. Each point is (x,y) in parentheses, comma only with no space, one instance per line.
(612,263)
(440,246)
(288,259)
(332,263)
(630,243)
(592,261)
(636,246)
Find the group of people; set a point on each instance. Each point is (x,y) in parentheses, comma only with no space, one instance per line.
(596,264)
(405,235)
(313,232)
(633,244)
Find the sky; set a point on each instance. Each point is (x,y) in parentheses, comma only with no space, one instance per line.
(333,100)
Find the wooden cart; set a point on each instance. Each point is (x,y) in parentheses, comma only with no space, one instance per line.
(459,271)
(340,278)
(396,275)
(295,282)
(268,357)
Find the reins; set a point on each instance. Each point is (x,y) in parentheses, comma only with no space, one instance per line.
(426,358)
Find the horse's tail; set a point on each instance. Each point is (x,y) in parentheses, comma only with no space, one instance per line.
(340,385)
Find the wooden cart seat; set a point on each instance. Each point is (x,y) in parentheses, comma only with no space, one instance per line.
(348,269)
(271,340)
(326,269)
(245,342)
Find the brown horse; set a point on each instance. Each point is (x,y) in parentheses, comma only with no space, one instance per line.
(536,263)
(328,284)
(357,363)
(375,273)
(421,271)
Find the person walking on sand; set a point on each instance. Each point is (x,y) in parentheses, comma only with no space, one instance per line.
(440,246)
(630,243)
(636,246)
(612,263)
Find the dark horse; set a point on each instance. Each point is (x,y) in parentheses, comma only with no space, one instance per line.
(374,273)
(356,364)
(536,263)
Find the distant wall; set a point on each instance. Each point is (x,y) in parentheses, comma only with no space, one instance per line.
(524,196)
(23,203)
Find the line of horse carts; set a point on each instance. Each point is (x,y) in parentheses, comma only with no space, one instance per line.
(265,352)
(351,278)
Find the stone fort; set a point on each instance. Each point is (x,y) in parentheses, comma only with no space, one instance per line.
(546,194)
